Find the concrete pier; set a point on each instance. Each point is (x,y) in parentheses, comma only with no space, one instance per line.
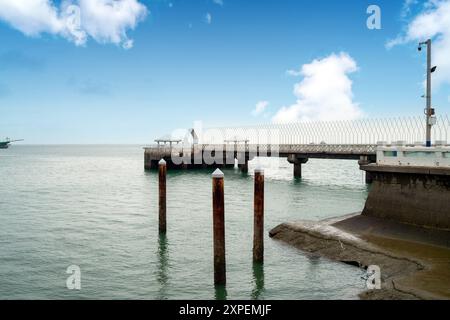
(198,156)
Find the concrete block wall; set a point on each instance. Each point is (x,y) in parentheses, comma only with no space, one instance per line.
(415,197)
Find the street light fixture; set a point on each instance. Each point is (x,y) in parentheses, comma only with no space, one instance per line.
(429,111)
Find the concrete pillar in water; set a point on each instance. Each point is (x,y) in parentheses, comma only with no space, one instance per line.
(244,166)
(147,161)
(363,161)
(297,170)
(162,168)
(297,162)
(258,224)
(219,227)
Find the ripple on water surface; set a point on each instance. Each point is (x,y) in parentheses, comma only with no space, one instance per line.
(95,207)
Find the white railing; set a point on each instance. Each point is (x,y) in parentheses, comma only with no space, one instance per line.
(438,156)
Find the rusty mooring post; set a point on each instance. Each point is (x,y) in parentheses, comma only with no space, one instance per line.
(218,228)
(258,223)
(162,196)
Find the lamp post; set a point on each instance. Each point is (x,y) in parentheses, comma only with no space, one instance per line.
(429,111)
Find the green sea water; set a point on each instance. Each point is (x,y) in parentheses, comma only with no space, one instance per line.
(96,207)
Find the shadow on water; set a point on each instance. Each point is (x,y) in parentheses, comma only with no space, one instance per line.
(220,292)
(258,278)
(163,266)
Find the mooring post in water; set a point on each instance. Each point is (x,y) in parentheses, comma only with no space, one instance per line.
(218,227)
(258,224)
(162,195)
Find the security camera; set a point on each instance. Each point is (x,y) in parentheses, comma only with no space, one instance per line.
(419,48)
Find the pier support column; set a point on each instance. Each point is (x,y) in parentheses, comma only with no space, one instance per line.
(297,170)
(242,160)
(364,161)
(244,166)
(147,161)
(297,162)
(369,177)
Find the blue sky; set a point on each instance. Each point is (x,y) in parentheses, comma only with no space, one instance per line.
(182,68)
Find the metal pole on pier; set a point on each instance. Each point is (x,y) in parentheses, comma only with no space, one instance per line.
(258,223)
(162,170)
(218,228)
(429,93)
(429,111)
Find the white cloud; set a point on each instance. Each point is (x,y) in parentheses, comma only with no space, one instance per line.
(208,18)
(128,44)
(260,108)
(294,73)
(395,42)
(218,2)
(406,10)
(325,92)
(106,21)
(31,17)
(433,22)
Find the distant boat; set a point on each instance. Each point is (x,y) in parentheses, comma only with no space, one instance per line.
(5,144)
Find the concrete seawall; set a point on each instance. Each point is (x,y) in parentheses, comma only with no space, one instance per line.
(413,195)
(404,230)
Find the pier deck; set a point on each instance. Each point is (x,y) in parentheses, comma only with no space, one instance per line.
(224,155)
